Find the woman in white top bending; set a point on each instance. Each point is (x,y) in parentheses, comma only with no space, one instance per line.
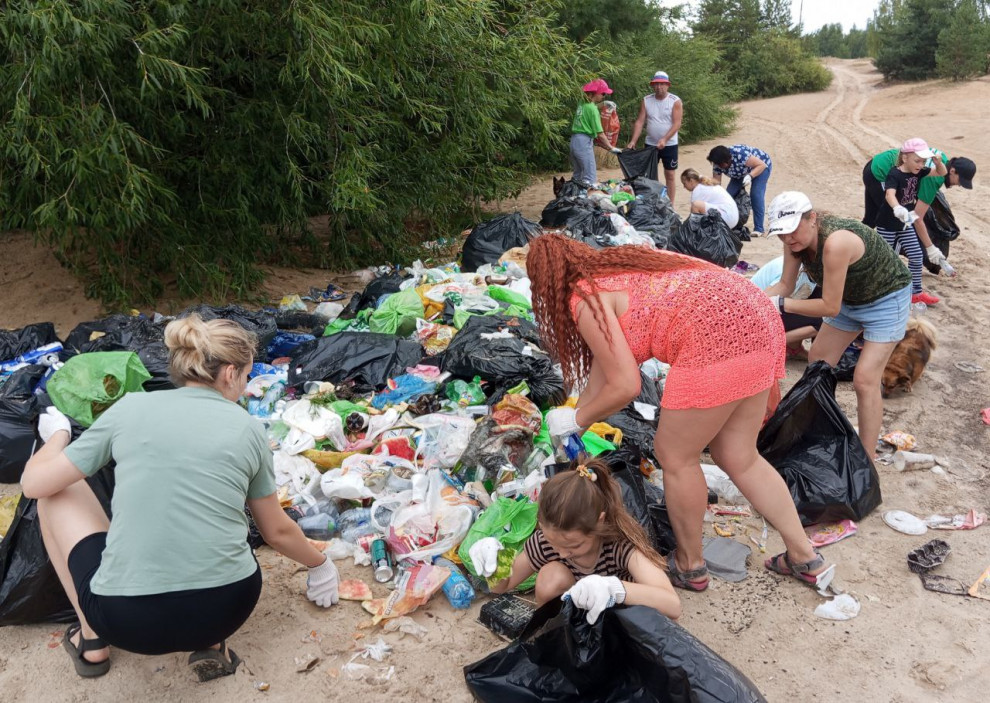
(707,195)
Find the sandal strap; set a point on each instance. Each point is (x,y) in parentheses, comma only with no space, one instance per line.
(689,575)
(85,645)
(803,567)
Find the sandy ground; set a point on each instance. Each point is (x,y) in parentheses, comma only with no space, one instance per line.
(906,645)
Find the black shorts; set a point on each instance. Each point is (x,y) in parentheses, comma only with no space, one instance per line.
(180,621)
(794,321)
(668,157)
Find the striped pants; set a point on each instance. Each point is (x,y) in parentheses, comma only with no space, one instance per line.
(906,242)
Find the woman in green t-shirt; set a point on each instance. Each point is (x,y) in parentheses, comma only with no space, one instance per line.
(865,288)
(586,131)
(172,571)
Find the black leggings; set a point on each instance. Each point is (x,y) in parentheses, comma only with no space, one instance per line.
(794,321)
(180,621)
(873,194)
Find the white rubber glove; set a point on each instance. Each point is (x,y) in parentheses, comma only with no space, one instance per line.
(322,584)
(52,421)
(935,256)
(562,422)
(615,150)
(484,554)
(747,179)
(902,214)
(595,593)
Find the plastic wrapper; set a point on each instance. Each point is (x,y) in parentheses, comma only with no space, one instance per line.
(88,384)
(492,447)
(464,393)
(414,586)
(434,337)
(489,240)
(366,358)
(707,237)
(517,411)
(814,447)
(632,653)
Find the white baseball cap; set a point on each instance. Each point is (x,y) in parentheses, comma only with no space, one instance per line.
(786,210)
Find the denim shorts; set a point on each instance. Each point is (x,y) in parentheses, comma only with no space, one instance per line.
(881,321)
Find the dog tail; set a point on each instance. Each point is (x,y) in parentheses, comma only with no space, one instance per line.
(925,328)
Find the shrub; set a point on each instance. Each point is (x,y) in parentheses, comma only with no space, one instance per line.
(774,64)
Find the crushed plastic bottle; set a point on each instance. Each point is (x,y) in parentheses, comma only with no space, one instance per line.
(456,587)
(320,521)
(355,524)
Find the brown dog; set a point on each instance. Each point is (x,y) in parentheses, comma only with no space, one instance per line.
(907,363)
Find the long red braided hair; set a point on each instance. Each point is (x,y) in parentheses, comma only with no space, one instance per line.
(557,265)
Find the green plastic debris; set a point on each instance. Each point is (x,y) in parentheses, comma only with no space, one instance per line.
(90,383)
(464,393)
(595,445)
(505,295)
(622,197)
(511,522)
(398,313)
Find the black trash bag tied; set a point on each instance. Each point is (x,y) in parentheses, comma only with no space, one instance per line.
(581,217)
(654,215)
(13,343)
(366,358)
(140,335)
(744,203)
(489,240)
(707,237)
(814,447)
(632,653)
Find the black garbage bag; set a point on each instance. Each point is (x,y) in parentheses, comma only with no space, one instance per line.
(581,217)
(846,367)
(13,343)
(369,297)
(126,333)
(654,215)
(744,203)
(636,429)
(569,189)
(18,415)
(261,323)
(640,162)
(503,361)
(23,382)
(644,186)
(940,221)
(707,237)
(30,591)
(489,240)
(366,358)
(812,445)
(632,653)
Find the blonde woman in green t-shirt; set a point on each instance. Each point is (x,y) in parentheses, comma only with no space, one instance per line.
(586,131)
(171,571)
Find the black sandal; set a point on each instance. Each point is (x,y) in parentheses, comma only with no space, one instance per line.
(211,664)
(84,667)
(691,580)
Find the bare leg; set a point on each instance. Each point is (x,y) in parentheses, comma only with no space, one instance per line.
(830,343)
(869,401)
(66,518)
(671,181)
(551,582)
(734,450)
(681,437)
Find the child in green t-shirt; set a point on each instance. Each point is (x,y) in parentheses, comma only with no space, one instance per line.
(586,130)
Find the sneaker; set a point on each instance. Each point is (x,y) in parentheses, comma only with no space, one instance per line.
(926,298)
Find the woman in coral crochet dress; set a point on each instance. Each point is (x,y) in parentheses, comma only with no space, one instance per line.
(603,313)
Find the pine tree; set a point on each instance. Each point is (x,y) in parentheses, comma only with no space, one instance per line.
(964,44)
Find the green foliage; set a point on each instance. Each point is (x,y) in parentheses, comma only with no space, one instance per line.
(611,18)
(690,62)
(906,35)
(760,52)
(829,40)
(170,142)
(964,44)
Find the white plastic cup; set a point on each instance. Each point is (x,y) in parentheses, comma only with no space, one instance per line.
(913,461)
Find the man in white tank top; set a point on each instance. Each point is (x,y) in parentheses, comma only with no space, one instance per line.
(662,113)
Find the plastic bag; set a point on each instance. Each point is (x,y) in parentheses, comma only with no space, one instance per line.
(638,430)
(640,162)
(13,343)
(398,314)
(610,120)
(504,361)
(401,389)
(319,421)
(464,393)
(284,343)
(580,216)
(655,215)
(118,333)
(511,522)
(644,186)
(745,206)
(940,221)
(368,359)
(372,293)
(17,438)
(569,189)
(90,383)
(846,368)
(413,587)
(421,531)
(707,237)
(489,240)
(444,439)
(260,323)
(632,653)
(812,445)
(30,591)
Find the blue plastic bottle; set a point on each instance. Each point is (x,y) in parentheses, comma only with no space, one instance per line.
(456,588)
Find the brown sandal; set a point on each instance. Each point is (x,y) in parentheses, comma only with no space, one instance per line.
(800,569)
(691,580)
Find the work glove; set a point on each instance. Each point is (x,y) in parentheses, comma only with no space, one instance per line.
(52,421)
(747,179)
(615,150)
(484,555)
(902,214)
(778,302)
(595,593)
(935,256)
(322,584)
(562,422)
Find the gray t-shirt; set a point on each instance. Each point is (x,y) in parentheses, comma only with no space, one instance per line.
(186,461)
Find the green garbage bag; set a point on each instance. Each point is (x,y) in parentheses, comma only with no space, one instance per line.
(398,313)
(512,522)
(90,383)
(505,295)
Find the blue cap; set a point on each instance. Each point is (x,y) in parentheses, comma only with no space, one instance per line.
(660,77)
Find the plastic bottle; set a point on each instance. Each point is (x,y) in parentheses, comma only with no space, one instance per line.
(568,447)
(354,524)
(320,521)
(947,269)
(456,588)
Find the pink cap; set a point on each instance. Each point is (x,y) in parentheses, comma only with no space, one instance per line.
(917,146)
(597,86)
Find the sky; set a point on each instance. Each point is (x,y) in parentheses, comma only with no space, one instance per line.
(819,12)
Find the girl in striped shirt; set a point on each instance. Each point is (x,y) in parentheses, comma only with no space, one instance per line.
(586,547)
